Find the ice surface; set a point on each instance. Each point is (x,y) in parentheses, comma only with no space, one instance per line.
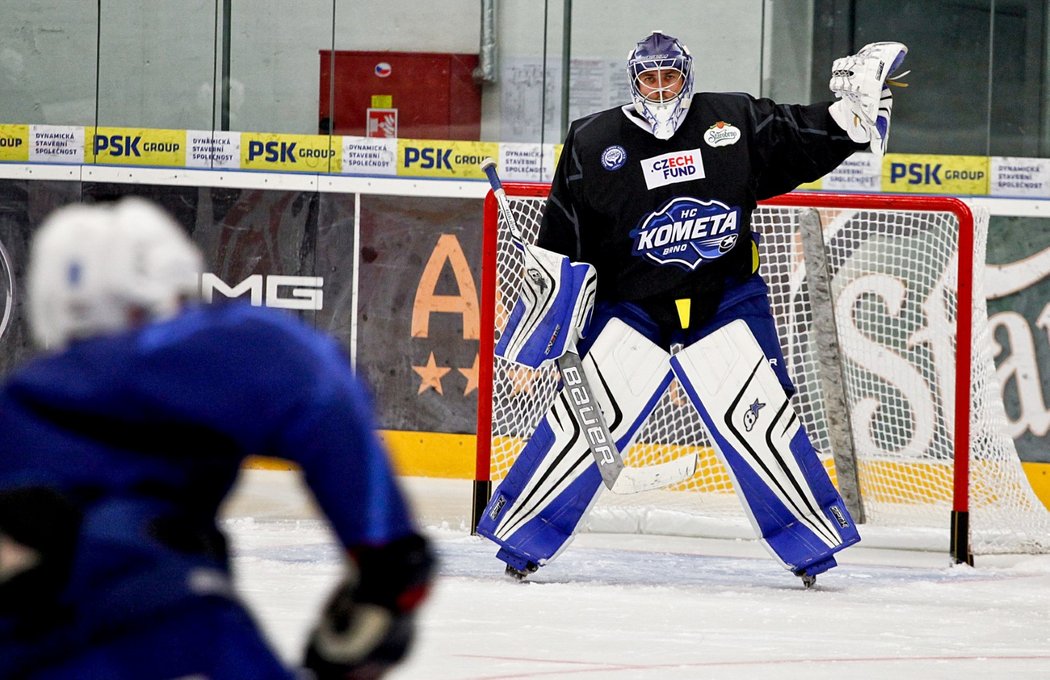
(629,606)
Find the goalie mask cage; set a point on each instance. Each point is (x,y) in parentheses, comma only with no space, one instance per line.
(881,314)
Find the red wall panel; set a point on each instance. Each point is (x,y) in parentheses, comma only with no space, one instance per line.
(434,93)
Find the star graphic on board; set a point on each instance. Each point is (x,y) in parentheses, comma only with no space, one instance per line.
(521,378)
(471,374)
(431,375)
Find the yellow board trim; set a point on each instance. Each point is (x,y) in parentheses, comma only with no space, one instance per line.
(452,456)
(1039,478)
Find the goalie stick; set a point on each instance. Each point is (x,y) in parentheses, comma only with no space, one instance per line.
(617,476)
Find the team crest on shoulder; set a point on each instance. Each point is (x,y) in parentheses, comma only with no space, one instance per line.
(722,134)
(614,157)
(687,232)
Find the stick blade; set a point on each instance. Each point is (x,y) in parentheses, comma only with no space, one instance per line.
(639,479)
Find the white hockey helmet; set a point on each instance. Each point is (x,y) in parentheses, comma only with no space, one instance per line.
(663,108)
(102,269)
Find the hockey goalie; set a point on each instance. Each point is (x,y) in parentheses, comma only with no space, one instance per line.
(656,197)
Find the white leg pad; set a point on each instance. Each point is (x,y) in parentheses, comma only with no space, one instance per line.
(626,364)
(729,379)
(625,370)
(627,374)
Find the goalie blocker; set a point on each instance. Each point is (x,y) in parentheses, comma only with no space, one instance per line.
(554,305)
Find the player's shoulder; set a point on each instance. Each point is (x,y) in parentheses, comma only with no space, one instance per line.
(597,124)
(744,101)
(737,100)
(741,109)
(236,326)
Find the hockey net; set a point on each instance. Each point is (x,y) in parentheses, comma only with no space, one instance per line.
(922,401)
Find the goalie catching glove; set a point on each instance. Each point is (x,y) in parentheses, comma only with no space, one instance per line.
(368,623)
(865,102)
(554,306)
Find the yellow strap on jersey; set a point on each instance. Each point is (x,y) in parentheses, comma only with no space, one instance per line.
(683,305)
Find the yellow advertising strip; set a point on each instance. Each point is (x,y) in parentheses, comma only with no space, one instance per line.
(1039,478)
(443,159)
(291,153)
(928,174)
(14,143)
(432,454)
(452,456)
(415,454)
(135,146)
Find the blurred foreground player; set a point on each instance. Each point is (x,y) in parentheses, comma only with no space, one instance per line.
(120,443)
(657,197)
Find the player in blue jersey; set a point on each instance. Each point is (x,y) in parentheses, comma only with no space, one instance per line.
(657,197)
(121,441)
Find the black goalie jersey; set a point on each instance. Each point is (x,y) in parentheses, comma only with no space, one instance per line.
(666,219)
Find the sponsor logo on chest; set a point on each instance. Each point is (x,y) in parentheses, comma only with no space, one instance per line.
(722,134)
(687,232)
(674,167)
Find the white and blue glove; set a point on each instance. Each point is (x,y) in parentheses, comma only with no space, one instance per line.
(865,102)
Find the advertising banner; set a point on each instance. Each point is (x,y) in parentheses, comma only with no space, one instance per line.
(1017,285)
(334,261)
(258,244)
(14,143)
(418,315)
(395,278)
(928,174)
(216,150)
(362,156)
(443,159)
(290,153)
(24,205)
(1027,177)
(859,172)
(56,144)
(526,162)
(135,146)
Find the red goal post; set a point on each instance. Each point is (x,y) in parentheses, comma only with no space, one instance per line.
(879,233)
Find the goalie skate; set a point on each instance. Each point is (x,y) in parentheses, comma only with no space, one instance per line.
(530,568)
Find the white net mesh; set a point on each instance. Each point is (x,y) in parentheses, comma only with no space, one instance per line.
(893,277)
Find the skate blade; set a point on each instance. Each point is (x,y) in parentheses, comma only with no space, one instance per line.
(520,574)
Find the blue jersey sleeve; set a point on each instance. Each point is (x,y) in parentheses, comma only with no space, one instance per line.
(290,393)
(180,404)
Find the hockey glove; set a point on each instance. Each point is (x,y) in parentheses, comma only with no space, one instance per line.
(38,536)
(369,621)
(556,298)
(865,102)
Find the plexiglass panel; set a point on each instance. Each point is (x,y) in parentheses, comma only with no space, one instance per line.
(156,65)
(47,62)
(274,55)
(495,70)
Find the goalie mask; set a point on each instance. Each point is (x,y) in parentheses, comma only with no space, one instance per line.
(661,72)
(102,269)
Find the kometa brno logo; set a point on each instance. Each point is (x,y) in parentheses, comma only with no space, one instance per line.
(687,232)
